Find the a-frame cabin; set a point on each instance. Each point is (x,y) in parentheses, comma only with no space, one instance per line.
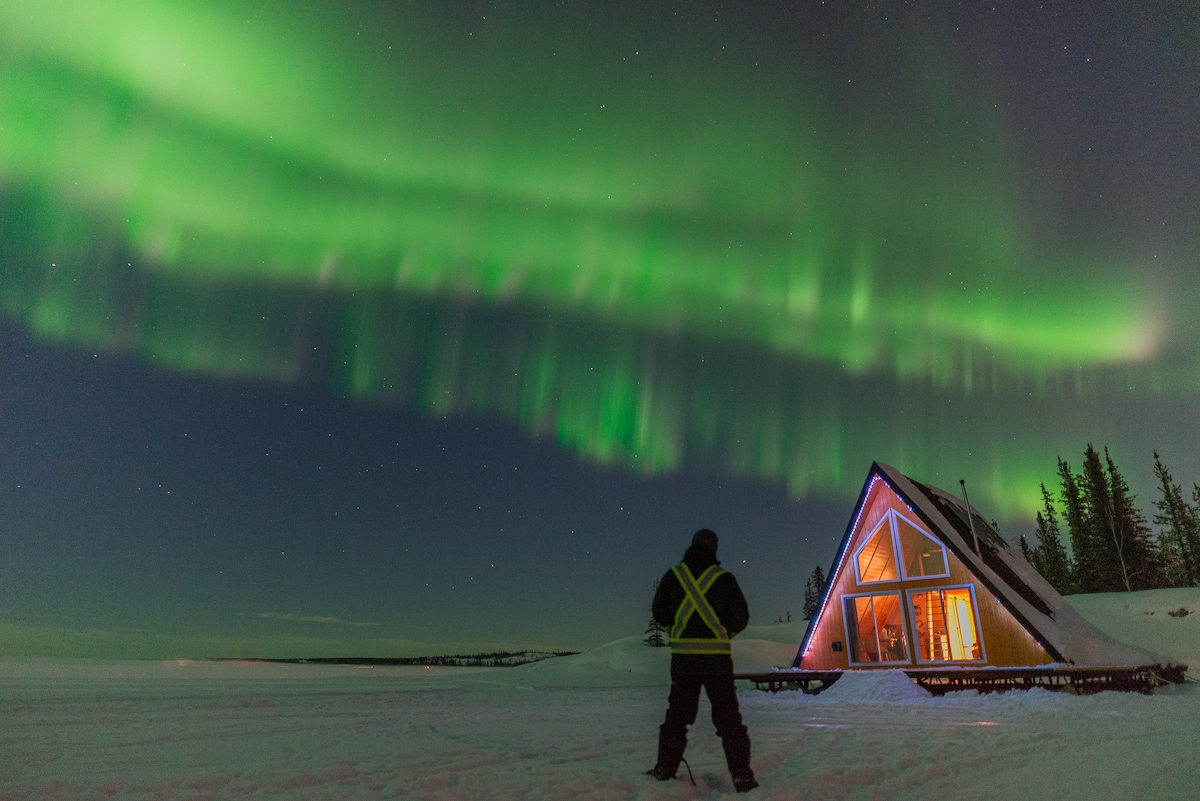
(913,587)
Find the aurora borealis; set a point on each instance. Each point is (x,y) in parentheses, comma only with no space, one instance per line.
(763,242)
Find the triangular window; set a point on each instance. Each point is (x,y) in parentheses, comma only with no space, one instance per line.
(876,559)
(923,556)
(920,554)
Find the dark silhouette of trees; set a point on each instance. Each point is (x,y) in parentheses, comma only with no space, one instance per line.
(812,591)
(1085,553)
(1179,540)
(1109,537)
(656,635)
(1114,533)
(1112,547)
(1049,556)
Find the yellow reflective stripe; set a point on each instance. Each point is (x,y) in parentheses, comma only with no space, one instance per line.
(682,615)
(689,604)
(695,601)
(701,647)
(707,613)
(686,606)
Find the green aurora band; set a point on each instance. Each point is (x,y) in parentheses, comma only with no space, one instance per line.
(657,255)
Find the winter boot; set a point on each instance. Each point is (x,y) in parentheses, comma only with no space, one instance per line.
(671,745)
(661,773)
(743,781)
(737,755)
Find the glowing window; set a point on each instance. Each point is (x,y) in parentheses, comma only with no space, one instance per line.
(877,557)
(875,628)
(946,627)
(924,557)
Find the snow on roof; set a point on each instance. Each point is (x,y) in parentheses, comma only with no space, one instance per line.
(1065,634)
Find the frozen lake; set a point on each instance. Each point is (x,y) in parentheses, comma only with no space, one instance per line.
(575,727)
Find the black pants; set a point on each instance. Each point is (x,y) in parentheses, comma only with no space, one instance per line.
(682,707)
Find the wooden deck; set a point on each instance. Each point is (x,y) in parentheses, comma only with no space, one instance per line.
(939,681)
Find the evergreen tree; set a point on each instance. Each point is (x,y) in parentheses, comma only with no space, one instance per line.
(1117,554)
(1026,551)
(656,635)
(1131,544)
(1075,511)
(812,591)
(1051,558)
(1179,542)
(1107,564)
(1195,514)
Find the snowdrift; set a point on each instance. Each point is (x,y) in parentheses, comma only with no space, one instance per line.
(1144,620)
(628,662)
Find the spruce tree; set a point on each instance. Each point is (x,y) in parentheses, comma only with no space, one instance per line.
(1179,542)
(1107,566)
(1136,556)
(656,635)
(1026,551)
(1118,551)
(1195,507)
(1075,511)
(1050,556)
(812,591)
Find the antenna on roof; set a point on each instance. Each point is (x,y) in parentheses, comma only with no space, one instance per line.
(970,517)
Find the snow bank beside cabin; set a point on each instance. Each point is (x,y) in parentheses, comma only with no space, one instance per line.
(875,687)
(1165,621)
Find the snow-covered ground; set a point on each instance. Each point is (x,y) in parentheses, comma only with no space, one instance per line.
(585,727)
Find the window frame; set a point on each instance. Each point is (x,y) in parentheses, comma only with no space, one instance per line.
(889,519)
(899,548)
(904,624)
(885,521)
(910,616)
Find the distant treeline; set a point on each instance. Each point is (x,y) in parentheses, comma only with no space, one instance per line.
(1112,548)
(493,659)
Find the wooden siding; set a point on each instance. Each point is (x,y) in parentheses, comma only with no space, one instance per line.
(1006,643)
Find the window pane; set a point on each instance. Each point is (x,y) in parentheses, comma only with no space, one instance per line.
(931,625)
(875,628)
(923,556)
(889,621)
(877,558)
(960,625)
(860,620)
(945,621)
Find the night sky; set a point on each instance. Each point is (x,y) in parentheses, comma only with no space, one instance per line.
(399,328)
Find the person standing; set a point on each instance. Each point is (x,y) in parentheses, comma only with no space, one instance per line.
(703,607)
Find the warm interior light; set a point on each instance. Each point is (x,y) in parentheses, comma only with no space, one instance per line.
(877,557)
(876,628)
(923,556)
(946,625)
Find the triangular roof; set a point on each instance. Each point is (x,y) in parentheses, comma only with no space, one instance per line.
(1065,634)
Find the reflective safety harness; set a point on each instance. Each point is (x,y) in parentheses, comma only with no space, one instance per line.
(695,603)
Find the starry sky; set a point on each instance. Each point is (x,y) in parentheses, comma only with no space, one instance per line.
(399,328)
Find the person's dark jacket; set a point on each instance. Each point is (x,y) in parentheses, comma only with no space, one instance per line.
(726,599)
